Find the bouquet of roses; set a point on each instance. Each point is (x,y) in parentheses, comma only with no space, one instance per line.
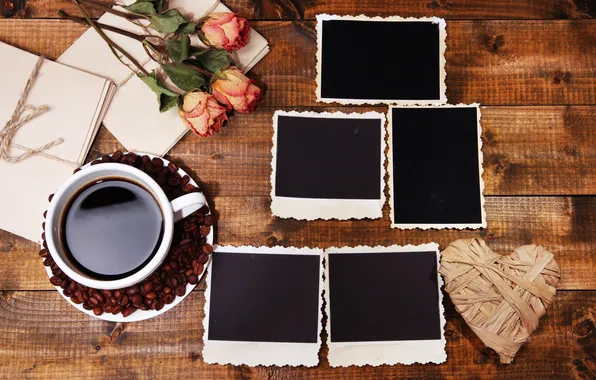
(202,82)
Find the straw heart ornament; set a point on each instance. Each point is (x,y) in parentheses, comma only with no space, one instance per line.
(500,297)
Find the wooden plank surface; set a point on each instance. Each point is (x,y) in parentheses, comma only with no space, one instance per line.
(44,337)
(307,10)
(563,225)
(490,62)
(530,63)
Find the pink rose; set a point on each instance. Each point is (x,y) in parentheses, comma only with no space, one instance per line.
(225,30)
(236,91)
(202,114)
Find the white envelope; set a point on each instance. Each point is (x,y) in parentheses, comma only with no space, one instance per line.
(77,102)
(133,117)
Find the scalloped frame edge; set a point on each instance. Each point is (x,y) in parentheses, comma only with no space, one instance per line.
(263,353)
(381,353)
(442,61)
(276,207)
(462,226)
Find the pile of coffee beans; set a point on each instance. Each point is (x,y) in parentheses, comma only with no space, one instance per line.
(184,264)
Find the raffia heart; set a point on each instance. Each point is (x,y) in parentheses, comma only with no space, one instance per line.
(500,297)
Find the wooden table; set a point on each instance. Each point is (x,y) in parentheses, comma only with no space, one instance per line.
(532,66)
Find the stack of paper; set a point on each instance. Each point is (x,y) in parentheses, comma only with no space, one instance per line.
(133,117)
(77,102)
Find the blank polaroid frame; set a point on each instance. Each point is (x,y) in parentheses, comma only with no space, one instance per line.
(328,165)
(263,306)
(384,305)
(359,63)
(435,167)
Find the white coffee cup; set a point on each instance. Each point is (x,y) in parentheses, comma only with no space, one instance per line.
(172,212)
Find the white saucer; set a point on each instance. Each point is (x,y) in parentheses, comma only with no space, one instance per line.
(141,315)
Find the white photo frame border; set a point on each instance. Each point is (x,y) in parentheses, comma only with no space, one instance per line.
(378,353)
(326,209)
(438,226)
(263,353)
(442,61)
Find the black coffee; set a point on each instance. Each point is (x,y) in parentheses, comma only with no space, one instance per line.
(111,229)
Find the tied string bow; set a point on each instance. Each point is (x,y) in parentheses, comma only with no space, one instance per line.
(22,114)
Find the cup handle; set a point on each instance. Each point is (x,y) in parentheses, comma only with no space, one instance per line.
(187,204)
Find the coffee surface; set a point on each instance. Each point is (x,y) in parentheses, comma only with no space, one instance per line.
(112,228)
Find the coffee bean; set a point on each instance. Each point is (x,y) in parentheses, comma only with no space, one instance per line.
(87,307)
(205,230)
(124,300)
(117,156)
(184,180)
(198,268)
(108,309)
(117,294)
(132,290)
(180,290)
(50,197)
(168,298)
(202,258)
(148,286)
(80,296)
(117,309)
(151,296)
(44,253)
(93,301)
(143,307)
(74,300)
(207,249)
(172,167)
(193,279)
(76,170)
(106,158)
(136,299)
(208,220)
(145,160)
(98,296)
(159,288)
(159,304)
(167,290)
(157,161)
(106,293)
(98,311)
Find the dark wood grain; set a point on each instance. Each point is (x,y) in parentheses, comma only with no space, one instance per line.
(563,225)
(490,62)
(44,337)
(530,63)
(308,9)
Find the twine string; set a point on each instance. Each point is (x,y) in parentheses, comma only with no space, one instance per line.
(22,114)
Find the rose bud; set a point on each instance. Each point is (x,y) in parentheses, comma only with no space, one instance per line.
(234,90)
(225,30)
(202,114)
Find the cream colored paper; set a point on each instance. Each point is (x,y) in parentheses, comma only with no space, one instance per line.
(262,353)
(344,354)
(76,102)
(133,117)
(312,208)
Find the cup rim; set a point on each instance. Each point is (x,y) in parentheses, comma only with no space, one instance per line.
(144,272)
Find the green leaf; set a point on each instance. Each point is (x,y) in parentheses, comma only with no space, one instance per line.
(185,77)
(142,7)
(213,59)
(188,28)
(179,49)
(166,98)
(168,22)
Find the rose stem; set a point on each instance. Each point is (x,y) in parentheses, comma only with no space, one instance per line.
(113,46)
(202,71)
(83,21)
(109,9)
